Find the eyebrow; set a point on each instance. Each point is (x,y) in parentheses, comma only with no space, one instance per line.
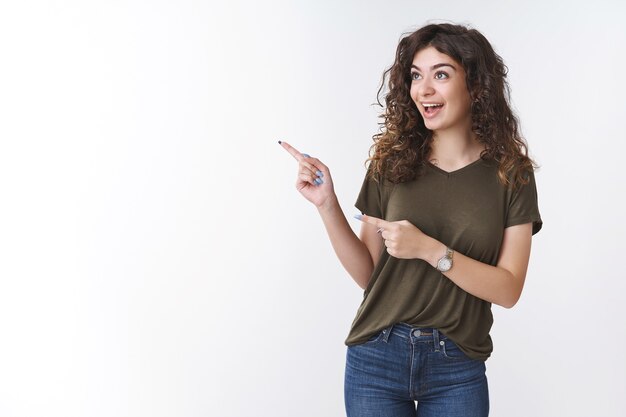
(443,64)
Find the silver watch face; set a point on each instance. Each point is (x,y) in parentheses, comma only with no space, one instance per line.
(444,264)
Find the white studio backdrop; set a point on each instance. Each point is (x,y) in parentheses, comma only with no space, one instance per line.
(156,259)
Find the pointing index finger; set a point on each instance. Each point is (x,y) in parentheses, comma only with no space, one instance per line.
(293,151)
(375,221)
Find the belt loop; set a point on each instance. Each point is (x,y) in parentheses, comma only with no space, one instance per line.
(436,339)
(387,332)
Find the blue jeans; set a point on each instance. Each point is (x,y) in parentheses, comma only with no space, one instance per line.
(403,364)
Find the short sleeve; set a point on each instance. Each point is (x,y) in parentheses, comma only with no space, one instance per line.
(372,199)
(524,206)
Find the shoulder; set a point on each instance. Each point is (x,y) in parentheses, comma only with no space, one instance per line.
(512,177)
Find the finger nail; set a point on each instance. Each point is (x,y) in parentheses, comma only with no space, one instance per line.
(319,181)
(358,216)
(306,155)
(319,173)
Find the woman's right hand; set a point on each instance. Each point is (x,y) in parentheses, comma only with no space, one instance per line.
(314,181)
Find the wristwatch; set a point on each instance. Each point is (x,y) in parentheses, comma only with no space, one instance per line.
(445,263)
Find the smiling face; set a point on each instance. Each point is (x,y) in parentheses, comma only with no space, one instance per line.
(439,91)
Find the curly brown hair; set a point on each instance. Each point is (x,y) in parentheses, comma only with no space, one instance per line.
(400,151)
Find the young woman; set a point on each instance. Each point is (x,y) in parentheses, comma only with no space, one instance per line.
(449,207)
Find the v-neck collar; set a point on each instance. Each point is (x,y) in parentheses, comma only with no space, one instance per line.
(456,171)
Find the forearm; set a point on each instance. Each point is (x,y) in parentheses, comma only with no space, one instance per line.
(350,250)
(487,282)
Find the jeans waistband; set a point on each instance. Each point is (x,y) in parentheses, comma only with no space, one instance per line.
(415,334)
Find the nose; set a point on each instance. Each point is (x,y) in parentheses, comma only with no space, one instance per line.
(425,88)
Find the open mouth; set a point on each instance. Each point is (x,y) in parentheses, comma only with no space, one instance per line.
(431,109)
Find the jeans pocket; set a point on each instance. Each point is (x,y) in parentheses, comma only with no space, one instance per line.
(451,351)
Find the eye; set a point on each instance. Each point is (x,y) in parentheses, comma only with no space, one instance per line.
(441,75)
(415,75)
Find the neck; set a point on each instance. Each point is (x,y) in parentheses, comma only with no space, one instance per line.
(455,146)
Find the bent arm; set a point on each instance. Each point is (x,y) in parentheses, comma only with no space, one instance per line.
(501,284)
(357,256)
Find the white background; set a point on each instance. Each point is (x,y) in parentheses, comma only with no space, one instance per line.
(156,259)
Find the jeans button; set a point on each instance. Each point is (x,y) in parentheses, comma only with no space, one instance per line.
(417,333)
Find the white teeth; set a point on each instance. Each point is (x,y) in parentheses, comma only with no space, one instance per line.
(432,105)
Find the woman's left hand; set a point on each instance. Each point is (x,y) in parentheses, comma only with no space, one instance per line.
(402,239)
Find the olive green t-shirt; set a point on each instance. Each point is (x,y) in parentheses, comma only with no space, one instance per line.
(467,210)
